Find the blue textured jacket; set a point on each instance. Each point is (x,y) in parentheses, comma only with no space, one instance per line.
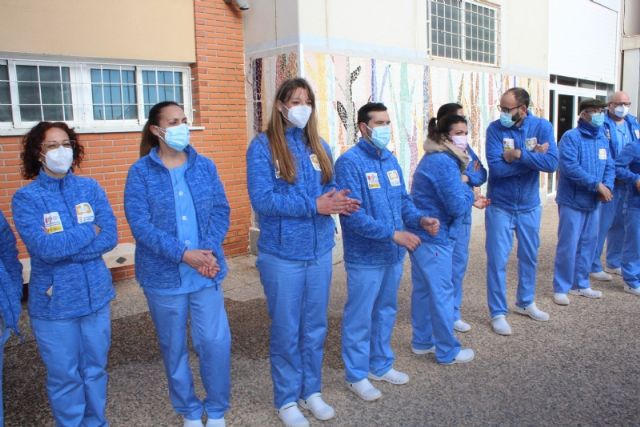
(438,191)
(375,178)
(628,170)
(55,219)
(611,133)
(10,277)
(585,162)
(290,227)
(515,186)
(476,177)
(151,212)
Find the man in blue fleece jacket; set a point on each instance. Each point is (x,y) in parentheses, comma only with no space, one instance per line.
(374,248)
(620,128)
(519,147)
(586,176)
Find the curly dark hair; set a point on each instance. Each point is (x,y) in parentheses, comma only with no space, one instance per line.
(32,148)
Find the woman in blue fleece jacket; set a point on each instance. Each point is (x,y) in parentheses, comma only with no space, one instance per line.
(179,215)
(10,291)
(438,190)
(293,193)
(67,224)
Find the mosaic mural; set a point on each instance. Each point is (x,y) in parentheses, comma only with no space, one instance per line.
(413,93)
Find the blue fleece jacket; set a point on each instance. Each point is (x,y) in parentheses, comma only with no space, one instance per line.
(611,133)
(290,227)
(151,212)
(375,178)
(476,177)
(585,162)
(628,170)
(55,219)
(515,186)
(438,191)
(10,277)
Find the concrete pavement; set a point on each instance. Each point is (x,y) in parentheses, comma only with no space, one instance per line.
(580,368)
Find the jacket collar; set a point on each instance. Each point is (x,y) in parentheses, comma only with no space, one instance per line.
(588,129)
(191,156)
(54,184)
(447,147)
(372,151)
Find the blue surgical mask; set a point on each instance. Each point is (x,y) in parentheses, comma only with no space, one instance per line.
(177,137)
(380,136)
(506,119)
(597,119)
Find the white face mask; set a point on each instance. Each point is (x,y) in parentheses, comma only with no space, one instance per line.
(621,111)
(299,115)
(460,141)
(59,160)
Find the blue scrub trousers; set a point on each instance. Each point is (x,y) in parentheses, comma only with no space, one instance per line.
(459,265)
(297,295)
(500,225)
(4,336)
(577,240)
(369,316)
(75,352)
(211,340)
(631,248)
(432,301)
(611,228)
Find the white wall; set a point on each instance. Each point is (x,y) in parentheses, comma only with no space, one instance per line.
(525,37)
(584,39)
(271,25)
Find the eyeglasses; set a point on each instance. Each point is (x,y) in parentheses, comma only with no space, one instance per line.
(52,145)
(507,109)
(621,104)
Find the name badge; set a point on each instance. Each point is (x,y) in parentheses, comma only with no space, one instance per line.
(530,143)
(508,144)
(607,134)
(394,178)
(372,180)
(84,212)
(638,133)
(314,162)
(52,223)
(602,154)
(277,170)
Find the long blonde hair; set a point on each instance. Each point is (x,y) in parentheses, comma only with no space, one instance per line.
(280,153)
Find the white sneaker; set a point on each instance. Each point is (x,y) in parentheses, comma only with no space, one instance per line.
(630,290)
(365,390)
(617,270)
(192,423)
(500,325)
(586,292)
(215,422)
(420,351)
(291,416)
(464,356)
(561,299)
(391,376)
(601,276)
(461,326)
(533,312)
(318,407)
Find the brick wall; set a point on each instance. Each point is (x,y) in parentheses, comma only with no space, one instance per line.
(218,97)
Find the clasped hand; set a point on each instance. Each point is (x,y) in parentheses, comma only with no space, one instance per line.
(336,202)
(202,260)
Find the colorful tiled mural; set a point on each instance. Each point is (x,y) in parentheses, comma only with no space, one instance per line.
(413,93)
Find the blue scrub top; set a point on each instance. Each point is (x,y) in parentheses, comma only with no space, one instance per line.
(624,135)
(187,223)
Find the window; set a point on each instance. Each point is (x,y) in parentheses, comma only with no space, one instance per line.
(464,30)
(87,95)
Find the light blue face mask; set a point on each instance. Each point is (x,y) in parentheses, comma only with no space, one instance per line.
(597,119)
(177,137)
(380,136)
(506,120)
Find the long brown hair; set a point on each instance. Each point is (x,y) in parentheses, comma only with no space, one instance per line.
(149,139)
(280,153)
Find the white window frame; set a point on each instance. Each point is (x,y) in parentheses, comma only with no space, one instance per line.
(81,95)
(462,35)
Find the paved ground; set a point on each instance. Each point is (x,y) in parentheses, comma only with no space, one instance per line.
(581,368)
